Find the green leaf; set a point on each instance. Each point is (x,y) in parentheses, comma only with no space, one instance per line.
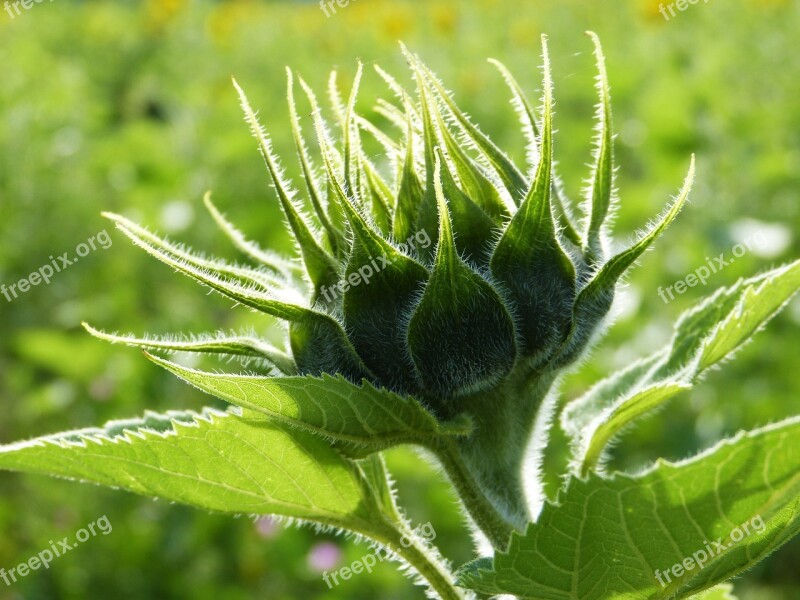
(612,538)
(525,112)
(394,153)
(399,93)
(461,336)
(705,335)
(364,177)
(329,406)
(720,592)
(395,116)
(613,421)
(758,303)
(427,216)
(393,150)
(376,475)
(335,98)
(246,286)
(234,463)
(579,413)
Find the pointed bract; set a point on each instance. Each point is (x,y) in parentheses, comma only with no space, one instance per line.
(530,128)
(529,261)
(602,181)
(461,336)
(320,265)
(335,237)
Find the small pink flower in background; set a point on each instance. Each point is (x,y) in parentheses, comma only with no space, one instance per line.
(325,556)
(267,527)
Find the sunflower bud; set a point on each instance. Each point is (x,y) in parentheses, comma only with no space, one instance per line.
(445,272)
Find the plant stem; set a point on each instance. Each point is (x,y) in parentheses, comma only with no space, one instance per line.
(486,517)
(404,542)
(486,467)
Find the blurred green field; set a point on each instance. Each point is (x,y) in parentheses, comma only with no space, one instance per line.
(128,107)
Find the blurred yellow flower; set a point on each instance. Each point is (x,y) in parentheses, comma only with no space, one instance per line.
(445,18)
(224,19)
(159,13)
(397,23)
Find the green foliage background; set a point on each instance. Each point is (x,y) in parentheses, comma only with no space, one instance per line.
(128,107)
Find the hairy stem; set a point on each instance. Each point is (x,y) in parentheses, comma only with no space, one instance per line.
(425,560)
(480,509)
(486,468)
